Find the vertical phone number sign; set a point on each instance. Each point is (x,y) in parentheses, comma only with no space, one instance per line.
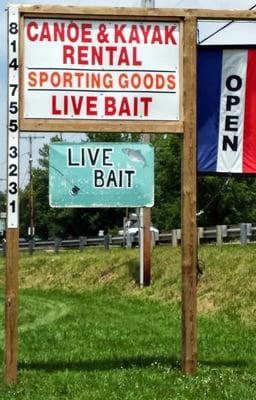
(98,70)
(13,118)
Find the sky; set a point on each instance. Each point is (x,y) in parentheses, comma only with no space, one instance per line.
(237,33)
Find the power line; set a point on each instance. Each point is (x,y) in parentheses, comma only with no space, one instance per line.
(221,28)
(24,178)
(202,211)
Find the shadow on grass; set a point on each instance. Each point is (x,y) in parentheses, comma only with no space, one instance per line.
(102,365)
(134,270)
(126,363)
(227,363)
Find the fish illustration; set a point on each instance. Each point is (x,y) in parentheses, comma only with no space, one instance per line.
(136,156)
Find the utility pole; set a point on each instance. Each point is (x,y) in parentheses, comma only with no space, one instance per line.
(148,3)
(146,212)
(31,231)
(31,228)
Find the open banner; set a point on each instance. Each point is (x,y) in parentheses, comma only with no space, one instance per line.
(226,101)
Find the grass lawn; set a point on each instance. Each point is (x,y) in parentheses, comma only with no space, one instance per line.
(106,339)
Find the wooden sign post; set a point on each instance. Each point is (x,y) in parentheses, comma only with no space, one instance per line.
(188,199)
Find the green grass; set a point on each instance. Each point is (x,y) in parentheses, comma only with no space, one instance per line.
(88,332)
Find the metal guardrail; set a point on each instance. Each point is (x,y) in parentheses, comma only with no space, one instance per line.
(219,234)
(82,242)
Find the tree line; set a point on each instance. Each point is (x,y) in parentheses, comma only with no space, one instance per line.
(220,199)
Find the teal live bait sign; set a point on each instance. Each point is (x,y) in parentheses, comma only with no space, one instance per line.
(101,175)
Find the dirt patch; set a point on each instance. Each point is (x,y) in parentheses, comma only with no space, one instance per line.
(206,304)
(106,276)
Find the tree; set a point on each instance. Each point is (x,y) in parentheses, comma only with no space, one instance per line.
(166,212)
(226,200)
(62,222)
(113,137)
(2,202)
(218,198)
(48,222)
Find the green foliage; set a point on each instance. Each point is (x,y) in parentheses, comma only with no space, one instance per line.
(2,202)
(113,137)
(166,212)
(48,222)
(218,198)
(66,222)
(226,200)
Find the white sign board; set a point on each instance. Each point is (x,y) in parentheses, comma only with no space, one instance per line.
(98,69)
(13,119)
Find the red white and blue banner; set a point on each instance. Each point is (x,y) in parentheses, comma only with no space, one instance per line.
(226,107)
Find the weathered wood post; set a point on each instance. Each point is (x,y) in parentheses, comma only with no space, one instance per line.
(147,246)
(147,210)
(174,238)
(106,242)
(31,246)
(57,243)
(11,306)
(4,247)
(219,235)
(82,242)
(243,234)
(188,194)
(200,234)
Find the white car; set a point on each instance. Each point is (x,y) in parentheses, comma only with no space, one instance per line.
(131,233)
